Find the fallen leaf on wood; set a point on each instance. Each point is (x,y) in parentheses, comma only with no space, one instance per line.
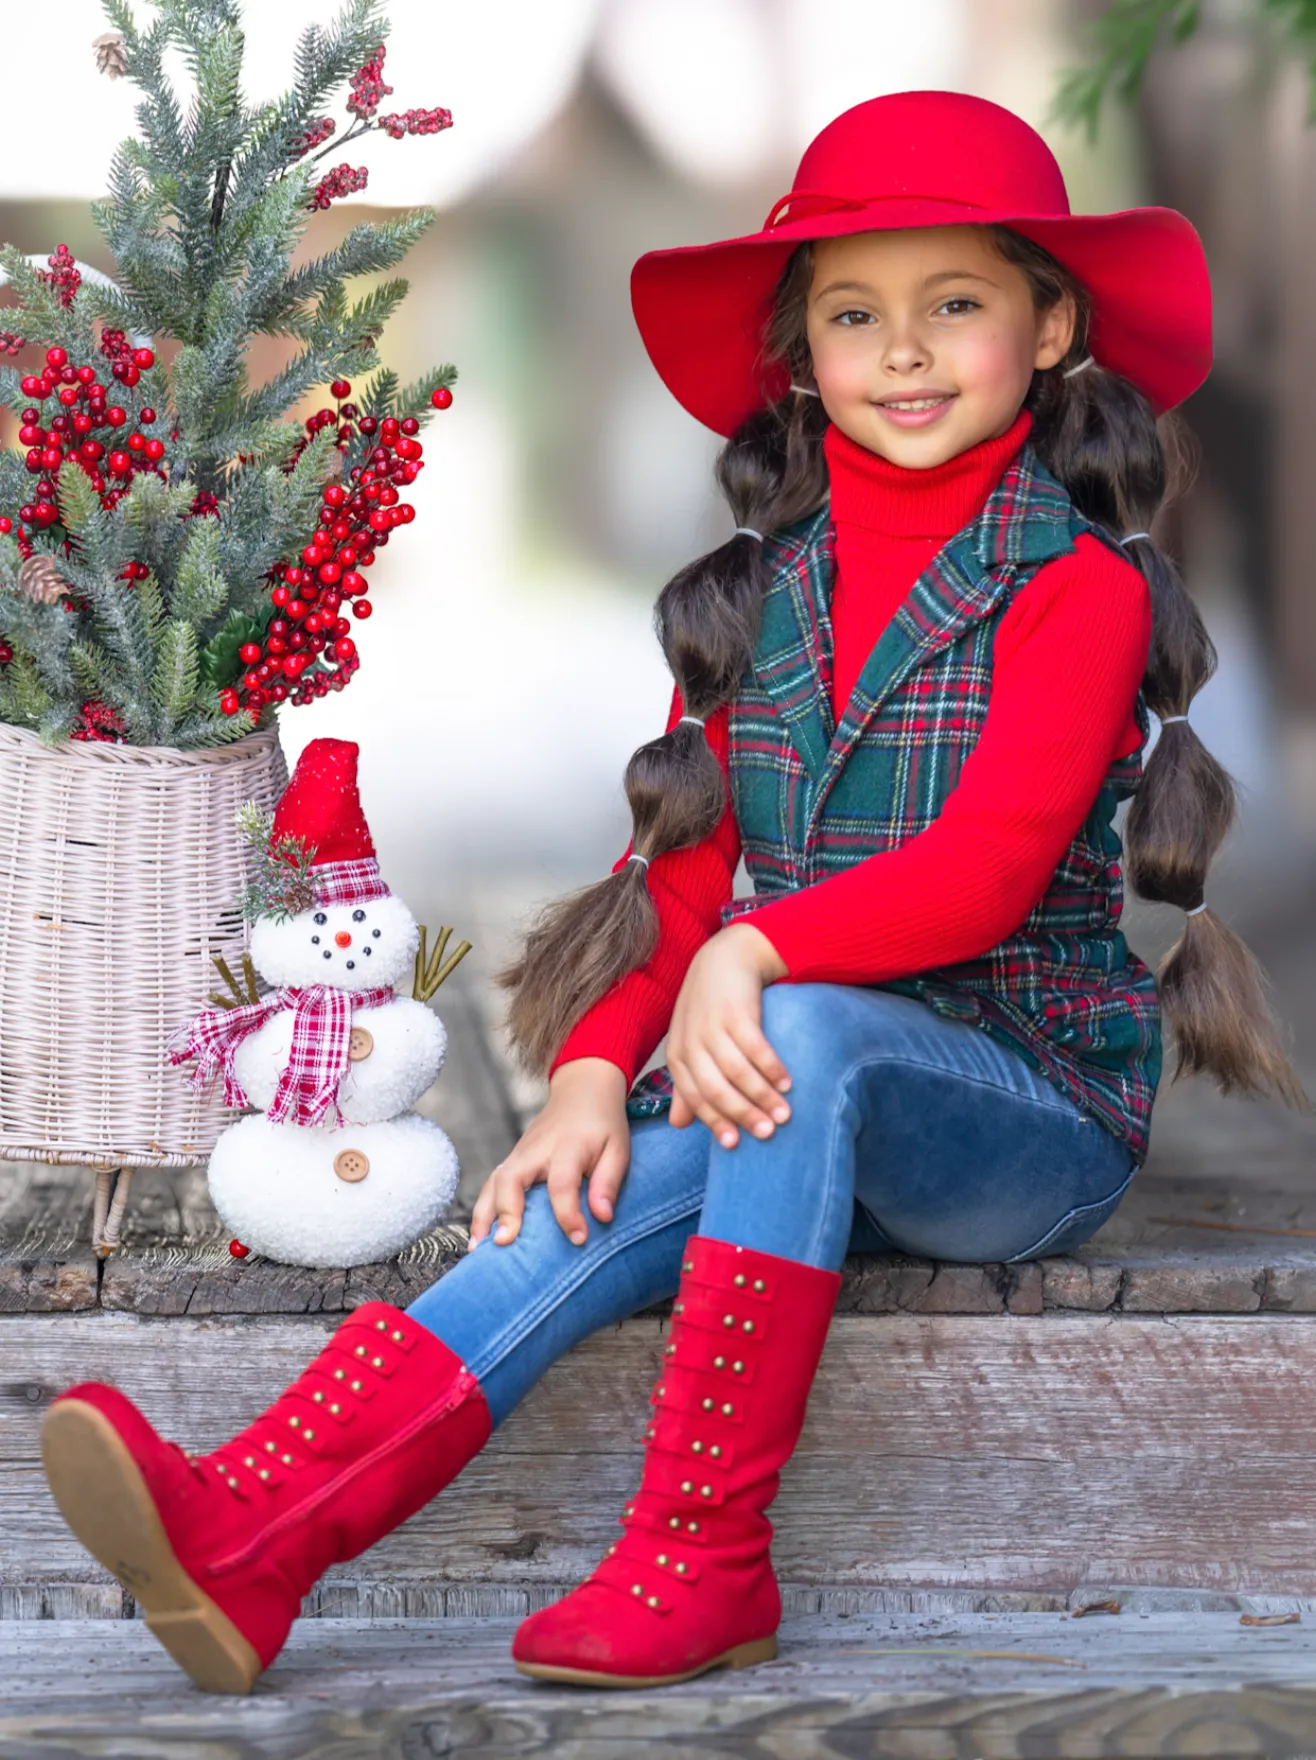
(1097,1607)
(1270,1619)
(969,1655)
(1307,1234)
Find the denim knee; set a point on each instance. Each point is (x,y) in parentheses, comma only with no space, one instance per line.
(795,1019)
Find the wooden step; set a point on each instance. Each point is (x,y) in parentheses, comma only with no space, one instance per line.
(1022,1460)
(905,1687)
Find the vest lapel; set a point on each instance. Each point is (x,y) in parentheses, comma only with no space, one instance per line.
(1024,521)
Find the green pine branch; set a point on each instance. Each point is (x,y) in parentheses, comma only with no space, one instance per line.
(205,210)
(1125,35)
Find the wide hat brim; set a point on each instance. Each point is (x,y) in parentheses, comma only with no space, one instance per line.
(701,309)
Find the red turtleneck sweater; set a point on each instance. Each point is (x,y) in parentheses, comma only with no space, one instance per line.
(1069,656)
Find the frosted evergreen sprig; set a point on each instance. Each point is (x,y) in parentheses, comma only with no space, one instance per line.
(282,886)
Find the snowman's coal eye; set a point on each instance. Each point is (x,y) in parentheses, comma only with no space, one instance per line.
(319,917)
(358,916)
(315,941)
(376,933)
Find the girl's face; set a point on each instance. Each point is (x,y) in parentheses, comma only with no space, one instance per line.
(928,315)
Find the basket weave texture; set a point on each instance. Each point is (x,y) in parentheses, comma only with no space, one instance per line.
(120,874)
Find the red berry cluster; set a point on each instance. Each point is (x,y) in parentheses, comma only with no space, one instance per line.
(368,86)
(97,721)
(6,652)
(70,433)
(416,122)
(115,345)
(315,136)
(10,343)
(341,181)
(63,276)
(356,519)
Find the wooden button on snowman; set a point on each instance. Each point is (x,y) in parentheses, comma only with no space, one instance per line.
(337,1169)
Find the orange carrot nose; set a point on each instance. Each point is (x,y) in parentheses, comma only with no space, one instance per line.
(343,938)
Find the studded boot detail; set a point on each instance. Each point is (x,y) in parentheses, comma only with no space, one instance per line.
(690,1586)
(219,1549)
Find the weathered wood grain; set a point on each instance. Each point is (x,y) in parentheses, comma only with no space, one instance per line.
(905,1688)
(1025,1455)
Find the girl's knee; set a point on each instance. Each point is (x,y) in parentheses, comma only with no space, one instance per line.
(795,1017)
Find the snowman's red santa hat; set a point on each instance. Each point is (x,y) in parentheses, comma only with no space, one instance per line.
(321,807)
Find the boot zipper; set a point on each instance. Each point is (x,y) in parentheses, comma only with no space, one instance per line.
(453,1396)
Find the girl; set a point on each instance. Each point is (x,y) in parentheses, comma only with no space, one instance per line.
(913,688)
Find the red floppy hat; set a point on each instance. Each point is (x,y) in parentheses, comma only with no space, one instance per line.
(926,159)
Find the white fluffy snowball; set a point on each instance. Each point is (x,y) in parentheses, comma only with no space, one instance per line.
(275,1187)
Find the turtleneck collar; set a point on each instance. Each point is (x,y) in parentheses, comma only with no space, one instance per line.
(870,491)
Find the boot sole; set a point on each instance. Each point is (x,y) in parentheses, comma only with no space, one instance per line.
(103,1497)
(739,1656)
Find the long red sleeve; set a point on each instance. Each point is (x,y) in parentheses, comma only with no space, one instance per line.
(1068,659)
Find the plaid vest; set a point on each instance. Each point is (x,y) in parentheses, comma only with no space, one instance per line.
(1063,990)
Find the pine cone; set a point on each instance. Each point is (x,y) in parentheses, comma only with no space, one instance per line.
(110,58)
(39,578)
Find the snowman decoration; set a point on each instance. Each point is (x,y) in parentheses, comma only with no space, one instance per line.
(335,1169)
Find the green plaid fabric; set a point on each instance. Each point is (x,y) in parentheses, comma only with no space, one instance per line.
(1063,990)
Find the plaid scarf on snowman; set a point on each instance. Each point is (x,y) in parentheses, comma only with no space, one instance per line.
(321,1036)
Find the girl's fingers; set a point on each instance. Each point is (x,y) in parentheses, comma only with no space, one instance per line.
(751,1040)
(718,1103)
(605,1181)
(750,1062)
(509,1204)
(721,1068)
(564,1180)
(680,1114)
(482,1214)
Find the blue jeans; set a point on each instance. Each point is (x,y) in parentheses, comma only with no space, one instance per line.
(908,1133)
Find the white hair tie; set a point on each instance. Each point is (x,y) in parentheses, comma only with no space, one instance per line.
(695,718)
(1167,719)
(643,859)
(749,533)
(1130,536)
(1086,362)
(1196,908)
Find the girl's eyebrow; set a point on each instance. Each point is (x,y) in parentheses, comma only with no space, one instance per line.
(941,275)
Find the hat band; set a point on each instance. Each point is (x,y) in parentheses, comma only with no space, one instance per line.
(820,203)
(348,882)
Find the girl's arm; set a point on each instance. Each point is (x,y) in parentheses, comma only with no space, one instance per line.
(688,887)
(1070,655)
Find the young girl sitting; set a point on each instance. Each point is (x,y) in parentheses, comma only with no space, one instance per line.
(912,688)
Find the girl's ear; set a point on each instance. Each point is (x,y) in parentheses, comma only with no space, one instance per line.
(1055,332)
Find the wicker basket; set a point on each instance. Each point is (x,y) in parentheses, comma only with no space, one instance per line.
(120,871)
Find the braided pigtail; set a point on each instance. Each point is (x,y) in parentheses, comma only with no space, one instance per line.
(707,619)
(1097,434)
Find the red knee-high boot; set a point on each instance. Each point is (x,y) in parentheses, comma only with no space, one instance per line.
(219,1549)
(690,1586)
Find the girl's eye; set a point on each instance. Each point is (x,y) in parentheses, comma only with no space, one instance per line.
(844,317)
(972,304)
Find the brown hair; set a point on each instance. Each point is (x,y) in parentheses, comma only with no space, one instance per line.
(1097,434)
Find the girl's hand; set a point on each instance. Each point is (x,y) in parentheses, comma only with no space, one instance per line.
(582,1132)
(723,1070)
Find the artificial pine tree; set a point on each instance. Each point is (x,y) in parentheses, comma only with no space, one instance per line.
(175,551)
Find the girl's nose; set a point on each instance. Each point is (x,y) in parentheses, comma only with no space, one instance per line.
(343,938)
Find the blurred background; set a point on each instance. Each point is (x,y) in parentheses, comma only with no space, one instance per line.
(512,668)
